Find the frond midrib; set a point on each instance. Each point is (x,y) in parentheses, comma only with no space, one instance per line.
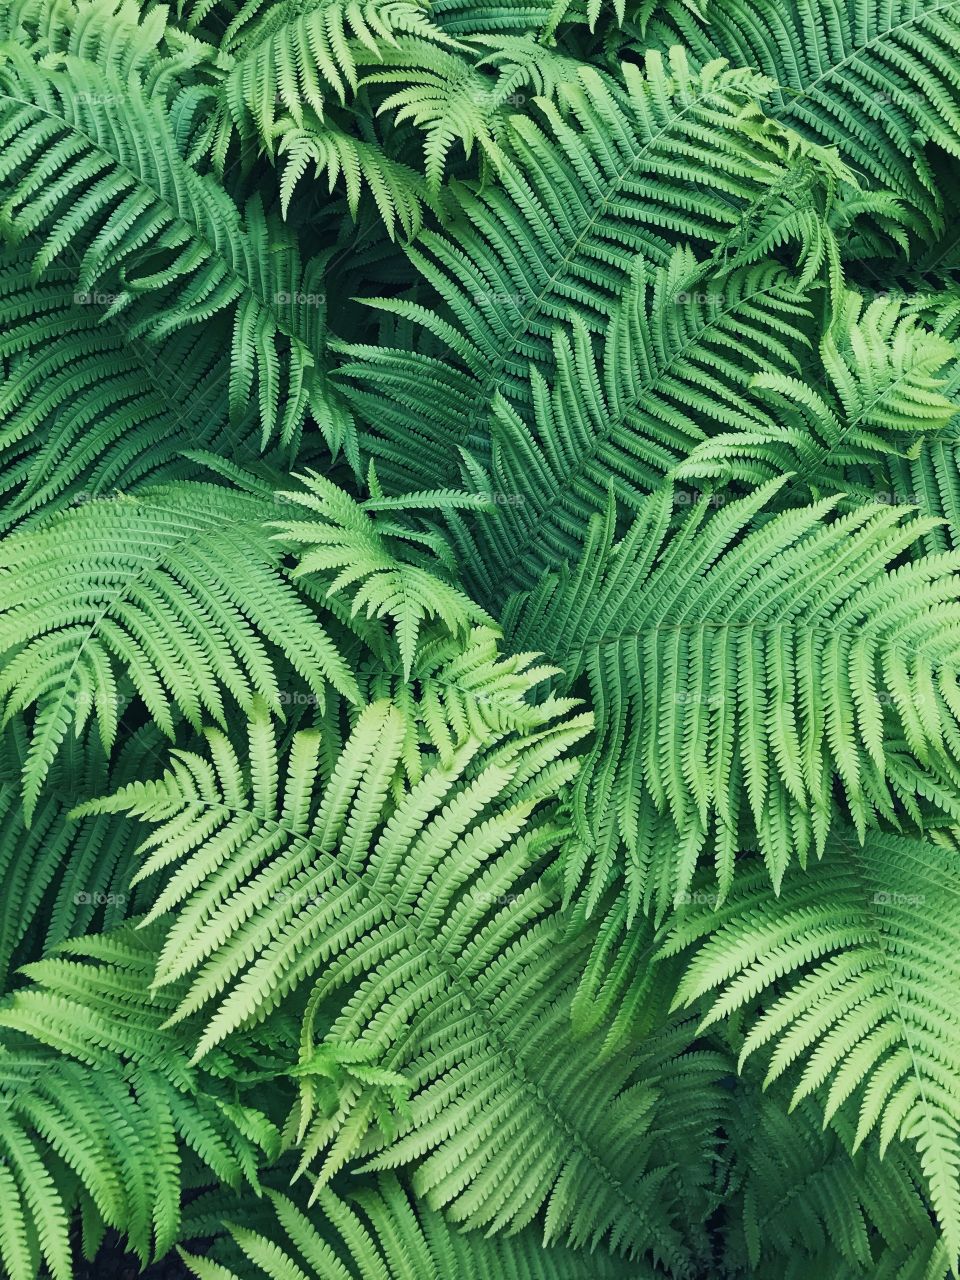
(470,996)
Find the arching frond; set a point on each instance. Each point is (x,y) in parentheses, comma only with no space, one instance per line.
(878,82)
(744,673)
(70,1138)
(673,369)
(460,688)
(150,234)
(441,879)
(583,192)
(380,1230)
(293,55)
(391,566)
(887,391)
(74,382)
(333,153)
(163,587)
(802,1205)
(62,877)
(862,979)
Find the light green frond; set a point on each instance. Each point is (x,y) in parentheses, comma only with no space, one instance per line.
(163,587)
(745,670)
(877,81)
(389,566)
(461,688)
(381,1231)
(673,369)
(859,978)
(446,97)
(64,133)
(289,56)
(427,919)
(887,380)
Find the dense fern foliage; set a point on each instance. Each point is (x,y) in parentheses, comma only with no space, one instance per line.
(480,639)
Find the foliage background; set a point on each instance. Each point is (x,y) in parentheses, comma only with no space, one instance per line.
(480,621)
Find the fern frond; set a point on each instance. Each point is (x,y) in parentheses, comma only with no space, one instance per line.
(673,368)
(60,876)
(864,979)
(154,236)
(288,56)
(73,382)
(877,82)
(389,567)
(397,190)
(461,688)
(165,587)
(448,98)
(744,673)
(802,1205)
(887,392)
(380,1230)
(598,182)
(70,1138)
(428,915)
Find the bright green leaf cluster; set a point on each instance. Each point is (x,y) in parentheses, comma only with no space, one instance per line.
(480,639)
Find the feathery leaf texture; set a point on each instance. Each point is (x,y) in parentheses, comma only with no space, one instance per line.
(179,590)
(479,638)
(857,999)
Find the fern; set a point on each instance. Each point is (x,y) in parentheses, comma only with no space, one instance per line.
(479,755)
(202,254)
(383,1232)
(878,83)
(62,877)
(862,1009)
(159,587)
(886,396)
(398,566)
(433,961)
(293,55)
(740,683)
(667,375)
(589,209)
(108,1082)
(73,380)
